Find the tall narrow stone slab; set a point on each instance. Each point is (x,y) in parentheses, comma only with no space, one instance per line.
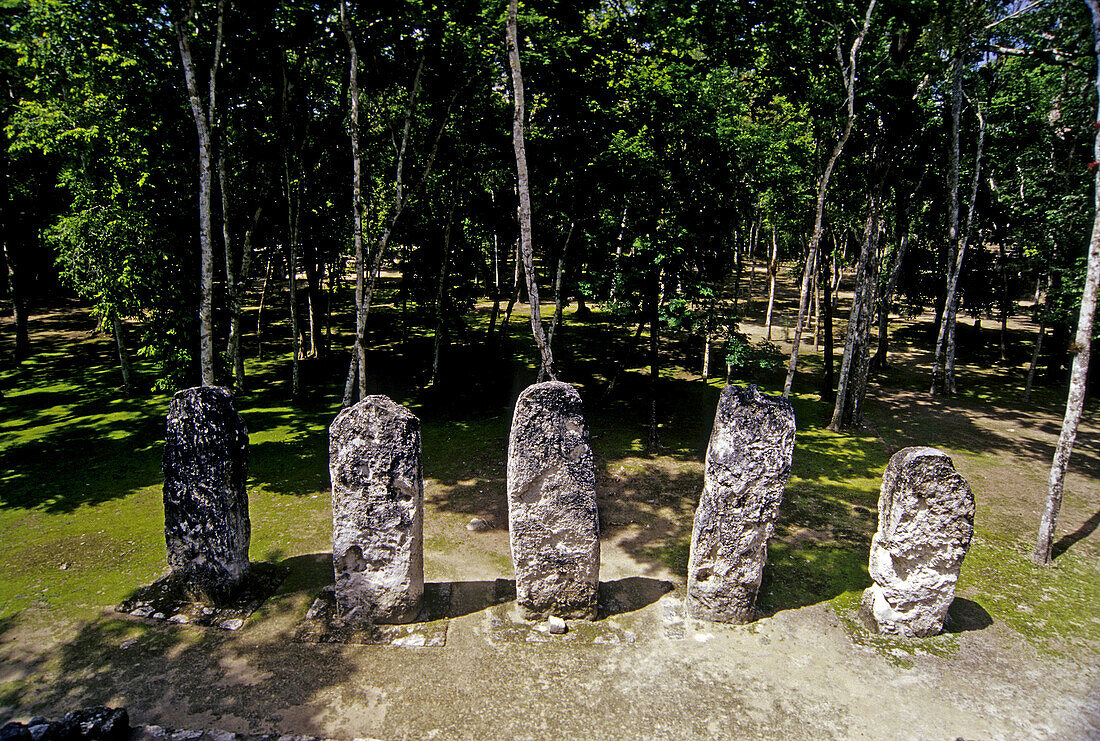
(747,467)
(206,525)
(552,514)
(377,512)
(925,522)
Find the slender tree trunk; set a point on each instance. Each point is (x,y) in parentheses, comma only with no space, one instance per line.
(516,287)
(654,364)
(358,363)
(615,274)
(556,322)
(945,342)
(706,356)
(293,207)
(1004,300)
(738,263)
(1035,356)
(205,120)
(16,281)
(817,305)
(773,270)
(852,382)
(260,311)
(546,367)
(823,186)
(1075,402)
(437,339)
(826,391)
(123,355)
(754,236)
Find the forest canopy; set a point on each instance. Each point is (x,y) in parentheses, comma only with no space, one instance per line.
(162,162)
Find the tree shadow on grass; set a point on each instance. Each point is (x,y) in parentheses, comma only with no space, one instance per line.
(1068,540)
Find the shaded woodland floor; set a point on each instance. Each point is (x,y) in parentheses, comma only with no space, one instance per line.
(81,524)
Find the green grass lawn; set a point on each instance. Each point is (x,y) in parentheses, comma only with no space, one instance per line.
(82,521)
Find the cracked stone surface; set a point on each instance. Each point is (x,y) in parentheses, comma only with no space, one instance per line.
(206,525)
(377,512)
(747,468)
(552,515)
(926,520)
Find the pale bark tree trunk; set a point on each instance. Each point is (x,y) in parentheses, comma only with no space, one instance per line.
(1035,357)
(826,271)
(123,354)
(945,343)
(1075,403)
(618,256)
(754,236)
(852,380)
(773,270)
(546,367)
(292,213)
(557,287)
(205,121)
(236,275)
(402,195)
(817,305)
(260,311)
(952,216)
(849,72)
(706,357)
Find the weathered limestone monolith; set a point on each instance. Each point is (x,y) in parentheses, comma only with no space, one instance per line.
(925,522)
(377,512)
(552,515)
(747,467)
(206,525)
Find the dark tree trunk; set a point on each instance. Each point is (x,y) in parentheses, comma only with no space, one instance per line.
(827,381)
(17,284)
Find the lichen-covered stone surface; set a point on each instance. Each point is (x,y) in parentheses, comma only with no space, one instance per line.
(747,467)
(925,522)
(552,515)
(377,512)
(206,525)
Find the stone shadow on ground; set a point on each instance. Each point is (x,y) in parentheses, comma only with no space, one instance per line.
(966,615)
(630,594)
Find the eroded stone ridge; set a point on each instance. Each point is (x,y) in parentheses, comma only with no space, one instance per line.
(747,467)
(206,525)
(925,522)
(552,514)
(377,512)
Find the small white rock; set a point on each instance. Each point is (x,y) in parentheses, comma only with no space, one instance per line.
(555,625)
(232,624)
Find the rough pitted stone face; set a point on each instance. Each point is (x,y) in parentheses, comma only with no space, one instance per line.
(552,515)
(925,521)
(377,512)
(747,467)
(206,525)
